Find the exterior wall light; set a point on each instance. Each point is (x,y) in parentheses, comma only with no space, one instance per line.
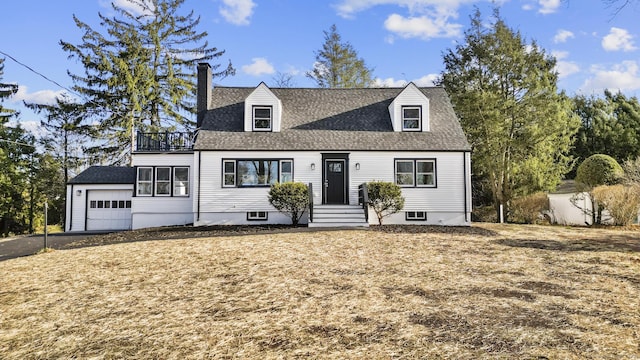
(78,192)
(357,166)
(313,166)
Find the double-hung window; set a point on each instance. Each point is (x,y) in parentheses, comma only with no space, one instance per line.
(411,118)
(181,181)
(256,172)
(415,172)
(145,181)
(163,181)
(262,116)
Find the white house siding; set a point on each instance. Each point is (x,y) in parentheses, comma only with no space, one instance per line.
(77,202)
(153,211)
(445,204)
(410,96)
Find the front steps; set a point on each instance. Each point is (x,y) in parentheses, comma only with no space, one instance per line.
(338,216)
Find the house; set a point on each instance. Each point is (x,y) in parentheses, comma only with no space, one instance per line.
(335,140)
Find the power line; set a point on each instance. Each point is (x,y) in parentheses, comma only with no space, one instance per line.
(38,73)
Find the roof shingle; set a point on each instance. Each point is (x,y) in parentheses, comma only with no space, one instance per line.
(106,175)
(329,120)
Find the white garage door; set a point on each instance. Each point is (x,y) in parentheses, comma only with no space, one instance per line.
(109,210)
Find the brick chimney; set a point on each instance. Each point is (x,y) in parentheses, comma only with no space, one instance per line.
(204,91)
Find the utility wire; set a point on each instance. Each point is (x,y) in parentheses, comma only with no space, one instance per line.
(38,73)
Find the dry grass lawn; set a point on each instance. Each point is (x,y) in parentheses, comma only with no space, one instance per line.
(526,292)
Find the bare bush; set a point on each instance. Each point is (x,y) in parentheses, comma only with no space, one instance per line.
(621,201)
(529,209)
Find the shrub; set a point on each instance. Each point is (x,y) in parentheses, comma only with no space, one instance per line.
(528,209)
(385,198)
(598,170)
(621,201)
(290,198)
(594,171)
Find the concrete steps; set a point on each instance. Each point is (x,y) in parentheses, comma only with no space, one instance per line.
(338,216)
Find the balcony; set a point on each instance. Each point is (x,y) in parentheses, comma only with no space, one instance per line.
(164,141)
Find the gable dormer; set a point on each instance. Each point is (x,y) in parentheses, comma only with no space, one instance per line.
(409,111)
(262,110)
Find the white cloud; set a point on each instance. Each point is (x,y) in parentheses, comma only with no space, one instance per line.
(624,77)
(47,97)
(134,8)
(548,6)
(562,36)
(260,66)
(618,39)
(33,127)
(427,80)
(237,12)
(425,19)
(421,27)
(564,68)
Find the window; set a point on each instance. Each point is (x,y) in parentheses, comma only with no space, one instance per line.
(121,204)
(415,216)
(163,181)
(258,172)
(128,204)
(286,171)
(411,118)
(114,204)
(181,181)
(415,173)
(145,181)
(229,167)
(404,172)
(256,215)
(262,118)
(425,173)
(93,204)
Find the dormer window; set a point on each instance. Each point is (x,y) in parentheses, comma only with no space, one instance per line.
(262,118)
(411,118)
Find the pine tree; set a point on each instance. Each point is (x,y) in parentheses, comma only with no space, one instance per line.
(139,71)
(6,91)
(338,65)
(67,130)
(505,93)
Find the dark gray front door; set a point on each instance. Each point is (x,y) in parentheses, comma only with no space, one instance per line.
(334,183)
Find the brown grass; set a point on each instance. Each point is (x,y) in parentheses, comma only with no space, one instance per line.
(527,292)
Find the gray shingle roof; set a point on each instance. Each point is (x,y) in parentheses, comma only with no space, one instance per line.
(330,120)
(106,175)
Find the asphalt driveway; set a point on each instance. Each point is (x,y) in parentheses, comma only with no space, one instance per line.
(31,244)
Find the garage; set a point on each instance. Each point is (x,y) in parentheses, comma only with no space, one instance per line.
(108,209)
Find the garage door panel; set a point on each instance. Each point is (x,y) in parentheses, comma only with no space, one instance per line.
(109,209)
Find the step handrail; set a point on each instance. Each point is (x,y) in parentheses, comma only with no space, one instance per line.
(363,199)
(310,202)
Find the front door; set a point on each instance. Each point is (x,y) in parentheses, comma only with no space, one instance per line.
(334,182)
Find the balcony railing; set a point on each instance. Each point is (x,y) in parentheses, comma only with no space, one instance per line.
(164,141)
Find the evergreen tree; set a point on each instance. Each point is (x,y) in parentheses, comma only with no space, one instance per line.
(338,65)
(67,132)
(505,93)
(139,71)
(6,91)
(609,125)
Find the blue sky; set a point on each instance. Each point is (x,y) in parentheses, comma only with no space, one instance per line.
(402,40)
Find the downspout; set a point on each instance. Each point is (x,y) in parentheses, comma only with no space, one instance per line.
(71,209)
(86,208)
(464,168)
(199,182)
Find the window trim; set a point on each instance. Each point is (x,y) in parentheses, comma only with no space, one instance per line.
(419,119)
(415,216)
(236,176)
(258,216)
(156,182)
(253,118)
(138,181)
(174,181)
(415,172)
(280,172)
